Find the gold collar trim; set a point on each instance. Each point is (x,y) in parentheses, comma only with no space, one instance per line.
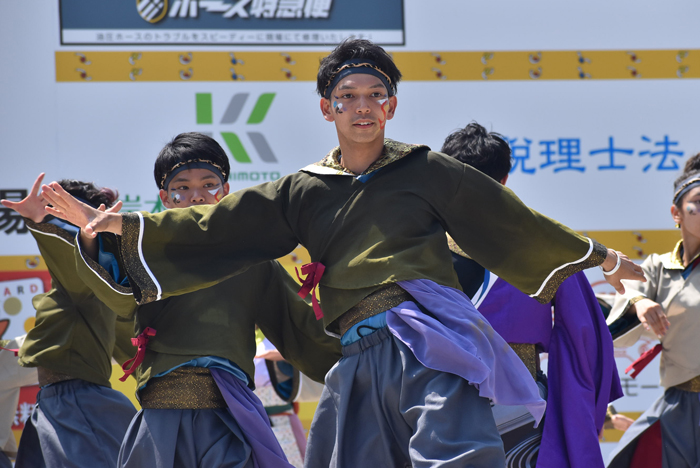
(393,151)
(675,260)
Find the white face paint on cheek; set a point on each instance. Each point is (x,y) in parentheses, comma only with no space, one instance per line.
(176,197)
(382,101)
(213,192)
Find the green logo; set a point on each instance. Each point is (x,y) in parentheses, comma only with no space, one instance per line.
(205,116)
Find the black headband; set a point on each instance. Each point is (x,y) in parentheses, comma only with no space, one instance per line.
(192,164)
(686,186)
(352,66)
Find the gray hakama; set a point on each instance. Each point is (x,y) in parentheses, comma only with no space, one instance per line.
(75,424)
(168,438)
(396,412)
(678,413)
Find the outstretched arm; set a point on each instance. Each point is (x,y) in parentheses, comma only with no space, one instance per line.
(32,207)
(628,270)
(169,253)
(527,249)
(89,219)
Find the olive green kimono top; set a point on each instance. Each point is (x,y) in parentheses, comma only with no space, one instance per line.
(74,332)
(383,226)
(220,320)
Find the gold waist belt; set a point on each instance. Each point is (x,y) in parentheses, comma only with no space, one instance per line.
(528,354)
(692,385)
(47,376)
(183,388)
(377,302)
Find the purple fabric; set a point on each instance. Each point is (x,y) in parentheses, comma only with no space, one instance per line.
(299,433)
(250,414)
(460,341)
(516,316)
(581,370)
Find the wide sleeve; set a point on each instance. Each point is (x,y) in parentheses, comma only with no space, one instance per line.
(527,249)
(623,323)
(182,250)
(56,248)
(582,378)
(54,305)
(289,323)
(116,296)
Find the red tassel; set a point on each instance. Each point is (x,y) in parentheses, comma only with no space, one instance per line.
(643,360)
(314,272)
(140,341)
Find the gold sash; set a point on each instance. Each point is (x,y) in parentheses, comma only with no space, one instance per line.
(377,302)
(183,388)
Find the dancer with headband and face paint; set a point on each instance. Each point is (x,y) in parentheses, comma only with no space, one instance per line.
(666,309)
(419,364)
(194,362)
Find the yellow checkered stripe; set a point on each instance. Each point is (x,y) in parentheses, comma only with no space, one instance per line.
(105,66)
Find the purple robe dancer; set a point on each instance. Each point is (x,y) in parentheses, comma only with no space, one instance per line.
(581,371)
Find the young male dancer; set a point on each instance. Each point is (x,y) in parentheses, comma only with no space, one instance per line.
(78,420)
(194,364)
(373,215)
(581,370)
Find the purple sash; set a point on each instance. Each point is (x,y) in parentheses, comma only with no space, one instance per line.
(460,341)
(248,411)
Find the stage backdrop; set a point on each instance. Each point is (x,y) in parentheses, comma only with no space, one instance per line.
(597,99)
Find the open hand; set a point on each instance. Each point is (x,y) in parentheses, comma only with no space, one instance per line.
(90,220)
(32,207)
(652,316)
(112,209)
(628,270)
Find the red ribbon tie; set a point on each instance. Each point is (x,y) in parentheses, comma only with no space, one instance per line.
(643,360)
(16,351)
(140,341)
(314,272)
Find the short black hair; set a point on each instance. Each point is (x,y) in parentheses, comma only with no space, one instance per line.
(692,164)
(188,146)
(352,48)
(91,193)
(485,151)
